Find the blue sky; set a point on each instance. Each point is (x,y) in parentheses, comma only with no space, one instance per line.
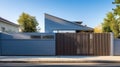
(91,12)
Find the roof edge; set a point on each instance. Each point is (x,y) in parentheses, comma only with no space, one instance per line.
(8,22)
(67,21)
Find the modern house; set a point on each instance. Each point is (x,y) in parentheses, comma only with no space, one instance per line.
(8,26)
(56,24)
(57,44)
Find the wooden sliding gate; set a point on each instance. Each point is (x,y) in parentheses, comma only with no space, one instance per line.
(87,44)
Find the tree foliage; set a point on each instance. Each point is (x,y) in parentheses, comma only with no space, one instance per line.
(112,21)
(107,23)
(116,2)
(98,29)
(27,23)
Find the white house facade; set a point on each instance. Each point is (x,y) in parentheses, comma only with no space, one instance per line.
(7,26)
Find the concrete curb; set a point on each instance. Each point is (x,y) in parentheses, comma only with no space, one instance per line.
(59,61)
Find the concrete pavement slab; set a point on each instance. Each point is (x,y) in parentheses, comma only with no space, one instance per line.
(60,59)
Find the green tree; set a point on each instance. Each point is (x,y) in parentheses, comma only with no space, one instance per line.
(107,23)
(116,2)
(117,9)
(115,27)
(112,21)
(117,17)
(27,23)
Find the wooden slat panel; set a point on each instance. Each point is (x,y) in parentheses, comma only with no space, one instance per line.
(69,43)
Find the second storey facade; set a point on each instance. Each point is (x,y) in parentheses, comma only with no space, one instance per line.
(7,26)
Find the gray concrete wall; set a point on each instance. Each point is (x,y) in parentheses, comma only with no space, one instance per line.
(9,27)
(116,47)
(23,44)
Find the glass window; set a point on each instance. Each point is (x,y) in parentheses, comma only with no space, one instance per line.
(48,37)
(3,29)
(36,37)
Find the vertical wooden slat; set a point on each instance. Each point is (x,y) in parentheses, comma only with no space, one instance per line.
(96,40)
(62,44)
(86,44)
(106,47)
(65,44)
(83,44)
(102,43)
(94,49)
(93,43)
(75,42)
(70,44)
(98,44)
(105,44)
(109,42)
(80,43)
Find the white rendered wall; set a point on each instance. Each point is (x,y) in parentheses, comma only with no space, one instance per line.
(8,27)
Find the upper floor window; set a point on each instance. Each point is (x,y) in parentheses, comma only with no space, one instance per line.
(3,29)
(36,37)
(48,37)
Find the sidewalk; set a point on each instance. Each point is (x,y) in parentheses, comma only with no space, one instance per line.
(59,59)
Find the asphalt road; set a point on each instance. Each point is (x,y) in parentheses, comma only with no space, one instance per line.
(59,64)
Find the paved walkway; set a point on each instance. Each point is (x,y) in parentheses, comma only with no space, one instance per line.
(61,59)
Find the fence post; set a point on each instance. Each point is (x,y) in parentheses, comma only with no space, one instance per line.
(111,44)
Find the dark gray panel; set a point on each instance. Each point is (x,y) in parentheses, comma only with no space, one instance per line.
(28,47)
(23,35)
(6,36)
(116,47)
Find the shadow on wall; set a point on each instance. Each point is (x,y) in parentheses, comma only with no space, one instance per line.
(5,36)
